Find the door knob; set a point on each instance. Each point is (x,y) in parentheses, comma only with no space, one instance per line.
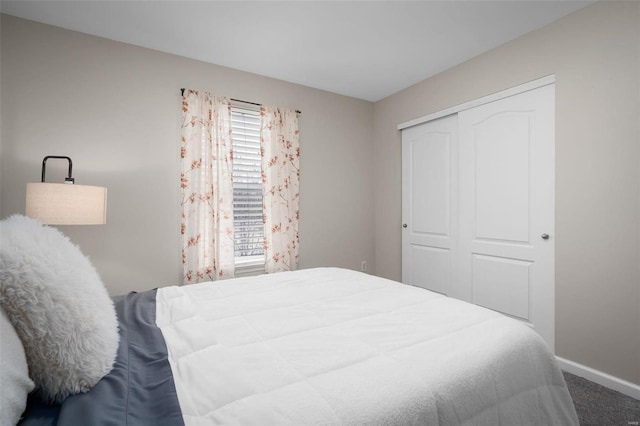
(545,236)
(404,225)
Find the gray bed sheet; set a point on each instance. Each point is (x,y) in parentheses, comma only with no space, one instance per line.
(138,391)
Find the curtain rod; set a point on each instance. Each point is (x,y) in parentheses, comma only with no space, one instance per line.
(239,100)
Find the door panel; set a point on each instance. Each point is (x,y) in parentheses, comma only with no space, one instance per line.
(430,166)
(502,147)
(502,284)
(429,191)
(506,187)
(431,266)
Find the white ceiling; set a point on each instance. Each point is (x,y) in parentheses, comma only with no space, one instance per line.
(364,49)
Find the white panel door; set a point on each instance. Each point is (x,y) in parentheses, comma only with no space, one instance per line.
(429,204)
(506,204)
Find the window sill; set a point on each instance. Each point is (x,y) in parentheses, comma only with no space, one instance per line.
(249,265)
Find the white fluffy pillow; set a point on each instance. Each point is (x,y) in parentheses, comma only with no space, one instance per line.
(59,307)
(15,383)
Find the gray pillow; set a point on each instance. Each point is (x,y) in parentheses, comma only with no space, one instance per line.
(59,307)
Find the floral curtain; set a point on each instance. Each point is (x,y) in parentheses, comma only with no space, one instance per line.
(207,190)
(280,150)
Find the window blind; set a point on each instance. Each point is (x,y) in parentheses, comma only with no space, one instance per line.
(247,186)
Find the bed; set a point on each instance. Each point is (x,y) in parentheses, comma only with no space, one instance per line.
(323,346)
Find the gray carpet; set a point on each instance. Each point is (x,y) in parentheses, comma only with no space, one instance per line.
(600,406)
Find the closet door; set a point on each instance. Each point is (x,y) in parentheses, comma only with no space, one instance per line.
(429,204)
(506,205)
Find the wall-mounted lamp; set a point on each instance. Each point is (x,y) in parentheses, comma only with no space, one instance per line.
(66,203)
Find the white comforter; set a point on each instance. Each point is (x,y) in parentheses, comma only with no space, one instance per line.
(332,346)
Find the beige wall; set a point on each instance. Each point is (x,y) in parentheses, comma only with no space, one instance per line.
(115,109)
(594,55)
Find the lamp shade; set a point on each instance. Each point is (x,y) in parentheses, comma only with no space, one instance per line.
(67,204)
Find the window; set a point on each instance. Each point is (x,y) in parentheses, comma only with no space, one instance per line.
(247,190)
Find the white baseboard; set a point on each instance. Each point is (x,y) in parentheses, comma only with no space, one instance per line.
(604,379)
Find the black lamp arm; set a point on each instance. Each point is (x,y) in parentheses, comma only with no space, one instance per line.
(44,167)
